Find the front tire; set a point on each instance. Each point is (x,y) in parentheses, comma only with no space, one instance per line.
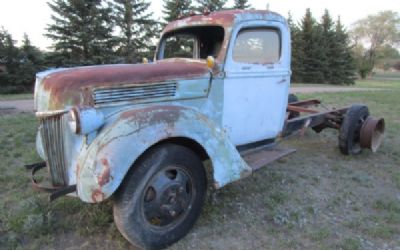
(161,197)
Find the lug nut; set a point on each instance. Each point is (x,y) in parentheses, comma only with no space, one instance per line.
(172,213)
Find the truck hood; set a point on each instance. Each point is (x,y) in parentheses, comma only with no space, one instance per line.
(61,88)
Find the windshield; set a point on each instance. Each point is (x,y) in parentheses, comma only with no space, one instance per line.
(193,42)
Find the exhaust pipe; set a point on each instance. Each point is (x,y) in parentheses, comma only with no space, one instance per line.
(372,133)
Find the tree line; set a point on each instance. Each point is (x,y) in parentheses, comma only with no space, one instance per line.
(321,51)
(124,31)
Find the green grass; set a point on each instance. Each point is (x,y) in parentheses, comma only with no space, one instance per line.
(350,244)
(372,83)
(13,97)
(385,75)
(396,179)
(378,84)
(314,199)
(27,219)
(320,234)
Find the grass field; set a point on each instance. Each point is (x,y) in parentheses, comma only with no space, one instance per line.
(314,199)
(373,83)
(16,97)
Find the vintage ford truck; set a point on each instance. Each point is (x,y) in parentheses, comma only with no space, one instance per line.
(217,90)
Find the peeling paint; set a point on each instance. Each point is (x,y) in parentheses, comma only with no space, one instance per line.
(104,178)
(149,126)
(97,196)
(194,111)
(70,86)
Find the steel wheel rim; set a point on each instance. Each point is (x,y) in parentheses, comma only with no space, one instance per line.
(167,197)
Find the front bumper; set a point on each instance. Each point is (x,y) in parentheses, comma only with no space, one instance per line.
(55,192)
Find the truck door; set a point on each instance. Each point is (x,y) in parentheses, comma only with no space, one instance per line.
(257,80)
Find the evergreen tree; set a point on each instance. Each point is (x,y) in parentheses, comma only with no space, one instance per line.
(30,52)
(328,44)
(9,59)
(137,27)
(241,4)
(343,62)
(18,65)
(82,31)
(174,8)
(314,56)
(297,50)
(211,5)
(31,62)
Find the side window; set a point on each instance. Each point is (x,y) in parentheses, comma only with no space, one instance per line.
(257,46)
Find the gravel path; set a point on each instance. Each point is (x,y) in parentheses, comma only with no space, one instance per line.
(16,106)
(317,89)
(27,105)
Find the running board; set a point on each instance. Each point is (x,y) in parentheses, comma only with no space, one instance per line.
(262,156)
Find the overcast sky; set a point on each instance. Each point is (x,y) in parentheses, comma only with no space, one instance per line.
(32,16)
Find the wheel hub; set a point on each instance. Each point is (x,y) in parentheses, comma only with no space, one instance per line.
(167,196)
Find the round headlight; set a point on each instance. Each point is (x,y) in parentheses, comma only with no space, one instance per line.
(84,121)
(73,120)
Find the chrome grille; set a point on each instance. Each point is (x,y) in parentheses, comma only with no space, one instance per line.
(134,93)
(53,143)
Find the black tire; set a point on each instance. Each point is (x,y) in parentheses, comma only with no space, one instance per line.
(161,197)
(293,98)
(349,133)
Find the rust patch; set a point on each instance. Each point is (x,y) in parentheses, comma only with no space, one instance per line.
(73,85)
(154,115)
(97,196)
(104,178)
(78,169)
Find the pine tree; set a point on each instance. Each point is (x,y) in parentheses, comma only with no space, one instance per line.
(82,31)
(343,63)
(211,5)
(174,8)
(297,50)
(241,4)
(328,44)
(31,62)
(9,59)
(314,56)
(30,52)
(137,27)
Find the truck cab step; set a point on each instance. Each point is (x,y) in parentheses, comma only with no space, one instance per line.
(259,157)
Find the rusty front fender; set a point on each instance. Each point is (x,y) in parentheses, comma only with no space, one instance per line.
(105,163)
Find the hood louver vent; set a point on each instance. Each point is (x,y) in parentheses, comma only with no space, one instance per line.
(140,93)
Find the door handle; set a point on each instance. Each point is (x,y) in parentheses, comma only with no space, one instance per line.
(282,81)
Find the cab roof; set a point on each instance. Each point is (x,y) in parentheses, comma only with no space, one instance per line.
(226,19)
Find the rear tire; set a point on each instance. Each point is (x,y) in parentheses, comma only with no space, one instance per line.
(292,98)
(349,133)
(161,197)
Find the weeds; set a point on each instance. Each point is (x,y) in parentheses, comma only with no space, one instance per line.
(350,244)
(309,199)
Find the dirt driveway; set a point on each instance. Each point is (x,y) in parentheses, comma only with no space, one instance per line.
(7,107)
(328,89)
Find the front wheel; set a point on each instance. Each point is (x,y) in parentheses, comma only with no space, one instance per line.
(161,197)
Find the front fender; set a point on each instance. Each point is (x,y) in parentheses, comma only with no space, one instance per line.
(103,166)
